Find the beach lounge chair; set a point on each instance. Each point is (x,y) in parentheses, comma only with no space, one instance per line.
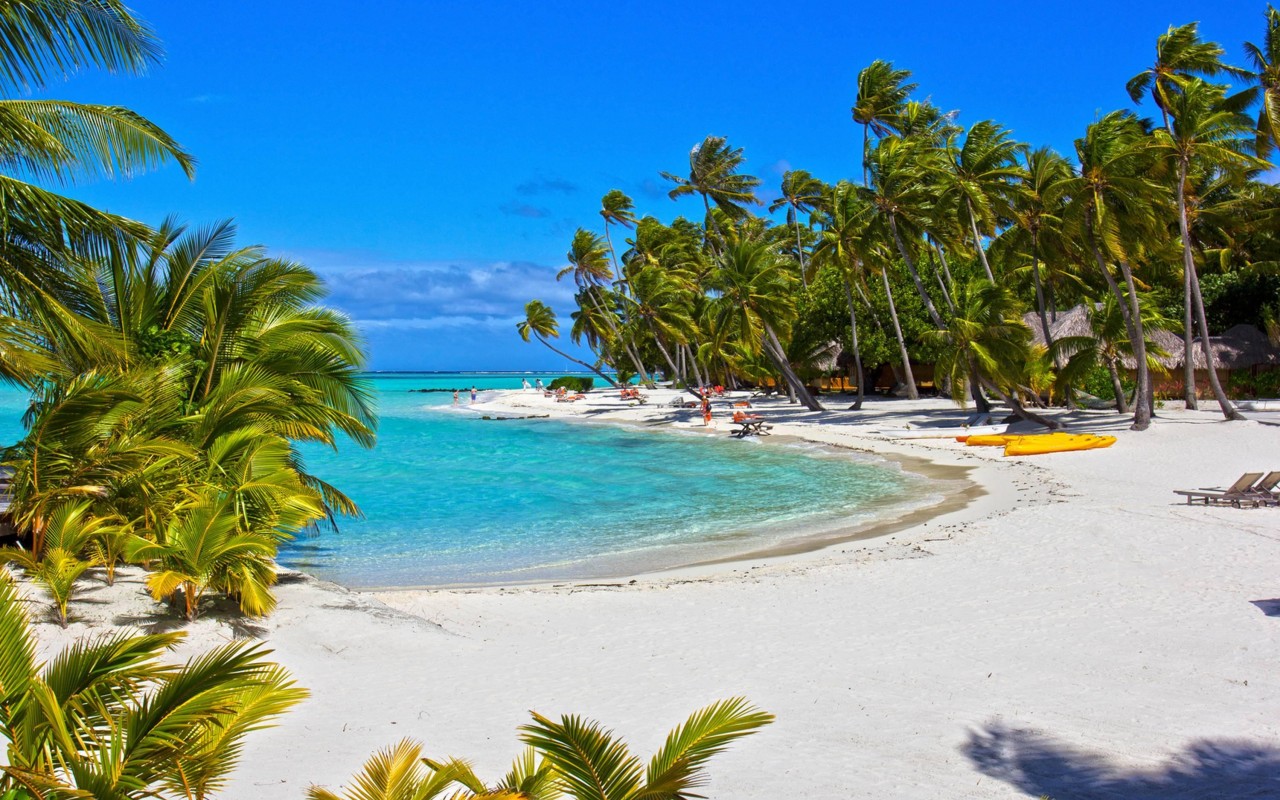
(1236,494)
(1265,489)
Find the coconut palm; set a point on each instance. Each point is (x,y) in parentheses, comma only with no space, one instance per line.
(205,547)
(754,302)
(589,266)
(978,180)
(1107,346)
(400,772)
(1209,132)
(1266,64)
(71,531)
(540,323)
(713,175)
(882,91)
(987,345)
(592,763)
(900,192)
(570,758)
(107,719)
(663,301)
(842,240)
(1037,217)
(616,209)
(64,142)
(801,192)
(1180,55)
(1114,202)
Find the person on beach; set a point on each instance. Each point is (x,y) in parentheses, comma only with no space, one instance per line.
(706,410)
(538,384)
(455,397)
(524,384)
(473,395)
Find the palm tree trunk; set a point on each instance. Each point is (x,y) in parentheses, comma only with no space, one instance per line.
(853,331)
(563,354)
(804,278)
(774,349)
(977,241)
(902,343)
(613,327)
(946,272)
(915,276)
(1188,269)
(1141,415)
(1142,409)
(1122,402)
(693,362)
(1018,409)
(1228,410)
(676,374)
(942,284)
(1035,273)
(980,401)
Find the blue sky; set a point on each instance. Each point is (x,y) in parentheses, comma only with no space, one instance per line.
(431,160)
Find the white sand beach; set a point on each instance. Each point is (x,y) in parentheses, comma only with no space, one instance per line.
(1076,631)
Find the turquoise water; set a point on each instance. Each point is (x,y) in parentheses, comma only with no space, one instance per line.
(450,499)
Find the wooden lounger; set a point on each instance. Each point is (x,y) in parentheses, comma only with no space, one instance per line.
(1236,494)
(751,427)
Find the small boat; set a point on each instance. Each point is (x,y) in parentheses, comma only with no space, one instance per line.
(1056,443)
(943,433)
(996,439)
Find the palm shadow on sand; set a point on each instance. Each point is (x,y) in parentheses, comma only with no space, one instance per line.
(1039,765)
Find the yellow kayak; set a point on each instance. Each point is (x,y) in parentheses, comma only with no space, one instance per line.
(1056,443)
(1002,439)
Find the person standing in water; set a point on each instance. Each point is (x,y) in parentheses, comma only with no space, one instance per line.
(455,397)
(473,395)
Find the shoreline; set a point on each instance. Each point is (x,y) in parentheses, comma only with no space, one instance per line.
(1077,618)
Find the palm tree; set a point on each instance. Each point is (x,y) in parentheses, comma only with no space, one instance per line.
(1180,55)
(616,209)
(45,233)
(754,302)
(1266,62)
(1113,202)
(70,532)
(882,90)
(1209,132)
(987,345)
(106,718)
(843,238)
(978,180)
(899,192)
(1106,346)
(400,772)
(203,547)
(663,301)
(540,323)
(713,174)
(589,267)
(801,192)
(1037,215)
(572,758)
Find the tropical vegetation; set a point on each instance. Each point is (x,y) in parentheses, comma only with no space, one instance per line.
(570,757)
(172,373)
(949,237)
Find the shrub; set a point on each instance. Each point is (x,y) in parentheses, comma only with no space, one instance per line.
(573,384)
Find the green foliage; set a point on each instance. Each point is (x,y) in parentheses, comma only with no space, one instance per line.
(571,757)
(572,383)
(1098,383)
(107,718)
(1265,383)
(1235,298)
(158,344)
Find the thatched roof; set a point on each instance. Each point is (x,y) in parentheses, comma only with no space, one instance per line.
(1241,347)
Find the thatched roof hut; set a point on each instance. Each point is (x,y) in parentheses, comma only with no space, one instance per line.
(1241,347)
